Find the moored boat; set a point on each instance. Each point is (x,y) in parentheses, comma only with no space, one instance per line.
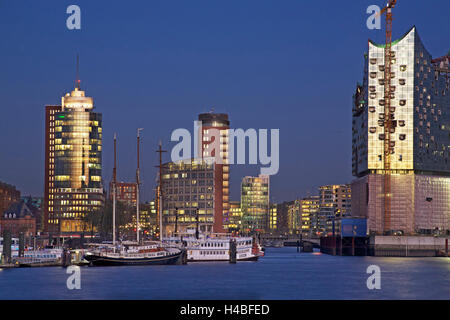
(40,258)
(147,254)
(216,247)
(131,253)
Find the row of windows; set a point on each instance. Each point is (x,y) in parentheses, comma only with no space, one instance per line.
(202,252)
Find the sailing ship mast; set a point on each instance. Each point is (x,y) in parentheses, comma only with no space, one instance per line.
(137,185)
(160,151)
(114,193)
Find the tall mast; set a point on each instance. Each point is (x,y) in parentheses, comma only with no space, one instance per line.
(114,193)
(77,84)
(389,123)
(137,185)
(160,200)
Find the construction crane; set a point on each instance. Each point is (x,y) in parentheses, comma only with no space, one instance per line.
(389,124)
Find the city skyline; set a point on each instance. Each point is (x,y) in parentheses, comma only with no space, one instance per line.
(180,77)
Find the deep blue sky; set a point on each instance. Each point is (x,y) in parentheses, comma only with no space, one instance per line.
(286,64)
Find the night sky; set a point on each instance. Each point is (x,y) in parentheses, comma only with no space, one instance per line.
(286,64)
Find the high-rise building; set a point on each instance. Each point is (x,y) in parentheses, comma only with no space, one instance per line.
(188,194)
(309,210)
(419,140)
(219,123)
(255,203)
(334,203)
(73,163)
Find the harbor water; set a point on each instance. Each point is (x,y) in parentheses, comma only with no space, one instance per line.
(281,274)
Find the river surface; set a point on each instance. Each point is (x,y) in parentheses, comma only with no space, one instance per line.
(281,274)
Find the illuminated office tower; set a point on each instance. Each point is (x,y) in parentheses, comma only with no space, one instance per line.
(73,178)
(219,122)
(255,203)
(309,209)
(419,143)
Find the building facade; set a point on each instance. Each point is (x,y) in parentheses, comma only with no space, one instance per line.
(188,190)
(35,204)
(148,218)
(216,125)
(18,218)
(334,204)
(73,163)
(8,195)
(273,218)
(293,217)
(309,212)
(125,193)
(255,203)
(282,212)
(419,140)
(234,217)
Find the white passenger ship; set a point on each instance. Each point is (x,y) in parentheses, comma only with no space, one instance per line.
(215,247)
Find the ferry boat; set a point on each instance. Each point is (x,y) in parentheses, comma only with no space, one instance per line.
(216,247)
(43,257)
(132,254)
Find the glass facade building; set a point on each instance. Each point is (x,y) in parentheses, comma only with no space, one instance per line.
(419,139)
(255,203)
(73,163)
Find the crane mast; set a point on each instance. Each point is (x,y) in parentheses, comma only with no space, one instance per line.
(389,126)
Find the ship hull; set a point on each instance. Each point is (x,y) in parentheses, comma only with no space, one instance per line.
(96,260)
(252,258)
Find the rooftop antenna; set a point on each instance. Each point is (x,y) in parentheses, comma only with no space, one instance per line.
(77,84)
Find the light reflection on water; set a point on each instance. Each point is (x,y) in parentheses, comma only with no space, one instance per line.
(281,274)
